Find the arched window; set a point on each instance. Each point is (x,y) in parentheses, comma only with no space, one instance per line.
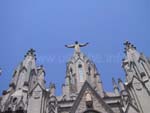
(71,70)
(71,75)
(14,101)
(89,69)
(80,69)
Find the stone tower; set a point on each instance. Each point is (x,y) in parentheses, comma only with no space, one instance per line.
(137,68)
(24,82)
(80,69)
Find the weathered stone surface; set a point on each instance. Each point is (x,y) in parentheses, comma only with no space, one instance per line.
(83,89)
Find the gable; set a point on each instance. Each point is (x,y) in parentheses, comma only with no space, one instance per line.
(37,87)
(86,94)
(131,109)
(137,84)
(132,78)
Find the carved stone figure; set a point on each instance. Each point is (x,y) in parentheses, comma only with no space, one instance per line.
(76,46)
(88,96)
(83,91)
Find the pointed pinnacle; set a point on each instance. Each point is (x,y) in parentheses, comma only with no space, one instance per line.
(113,80)
(31,51)
(119,80)
(114,83)
(128,46)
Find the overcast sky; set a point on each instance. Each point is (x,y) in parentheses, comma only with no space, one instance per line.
(47,25)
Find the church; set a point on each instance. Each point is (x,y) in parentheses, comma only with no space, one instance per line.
(83,90)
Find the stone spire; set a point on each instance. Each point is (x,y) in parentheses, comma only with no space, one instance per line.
(52,89)
(121,85)
(130,50)
(80,69)
(123,93)
(129,46)
(25,68)
(115,86)
(135,63)
(137,68)
(131,59)
(30,55)
(30,52)
(20,84)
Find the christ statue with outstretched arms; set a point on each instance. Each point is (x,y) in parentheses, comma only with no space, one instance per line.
(76,46)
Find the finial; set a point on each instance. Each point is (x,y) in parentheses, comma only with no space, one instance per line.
(116,88)
(128,46)
(40,66)
(121,84)
(41,69)
(52,88)
(114,83)
(119,80)
(30,52)
(113,80)
(52,85)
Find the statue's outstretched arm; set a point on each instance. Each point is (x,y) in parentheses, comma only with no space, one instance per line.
(70,46)
(82,45)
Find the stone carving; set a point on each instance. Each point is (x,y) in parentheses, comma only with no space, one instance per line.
(83,89)
(88,99)
(76,46)
(88,96)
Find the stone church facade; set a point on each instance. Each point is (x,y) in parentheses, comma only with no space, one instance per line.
(83,90)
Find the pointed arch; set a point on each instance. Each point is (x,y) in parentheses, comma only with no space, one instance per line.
(51,105)
(20,106)
(80,72)
(23,68)
(21,77)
